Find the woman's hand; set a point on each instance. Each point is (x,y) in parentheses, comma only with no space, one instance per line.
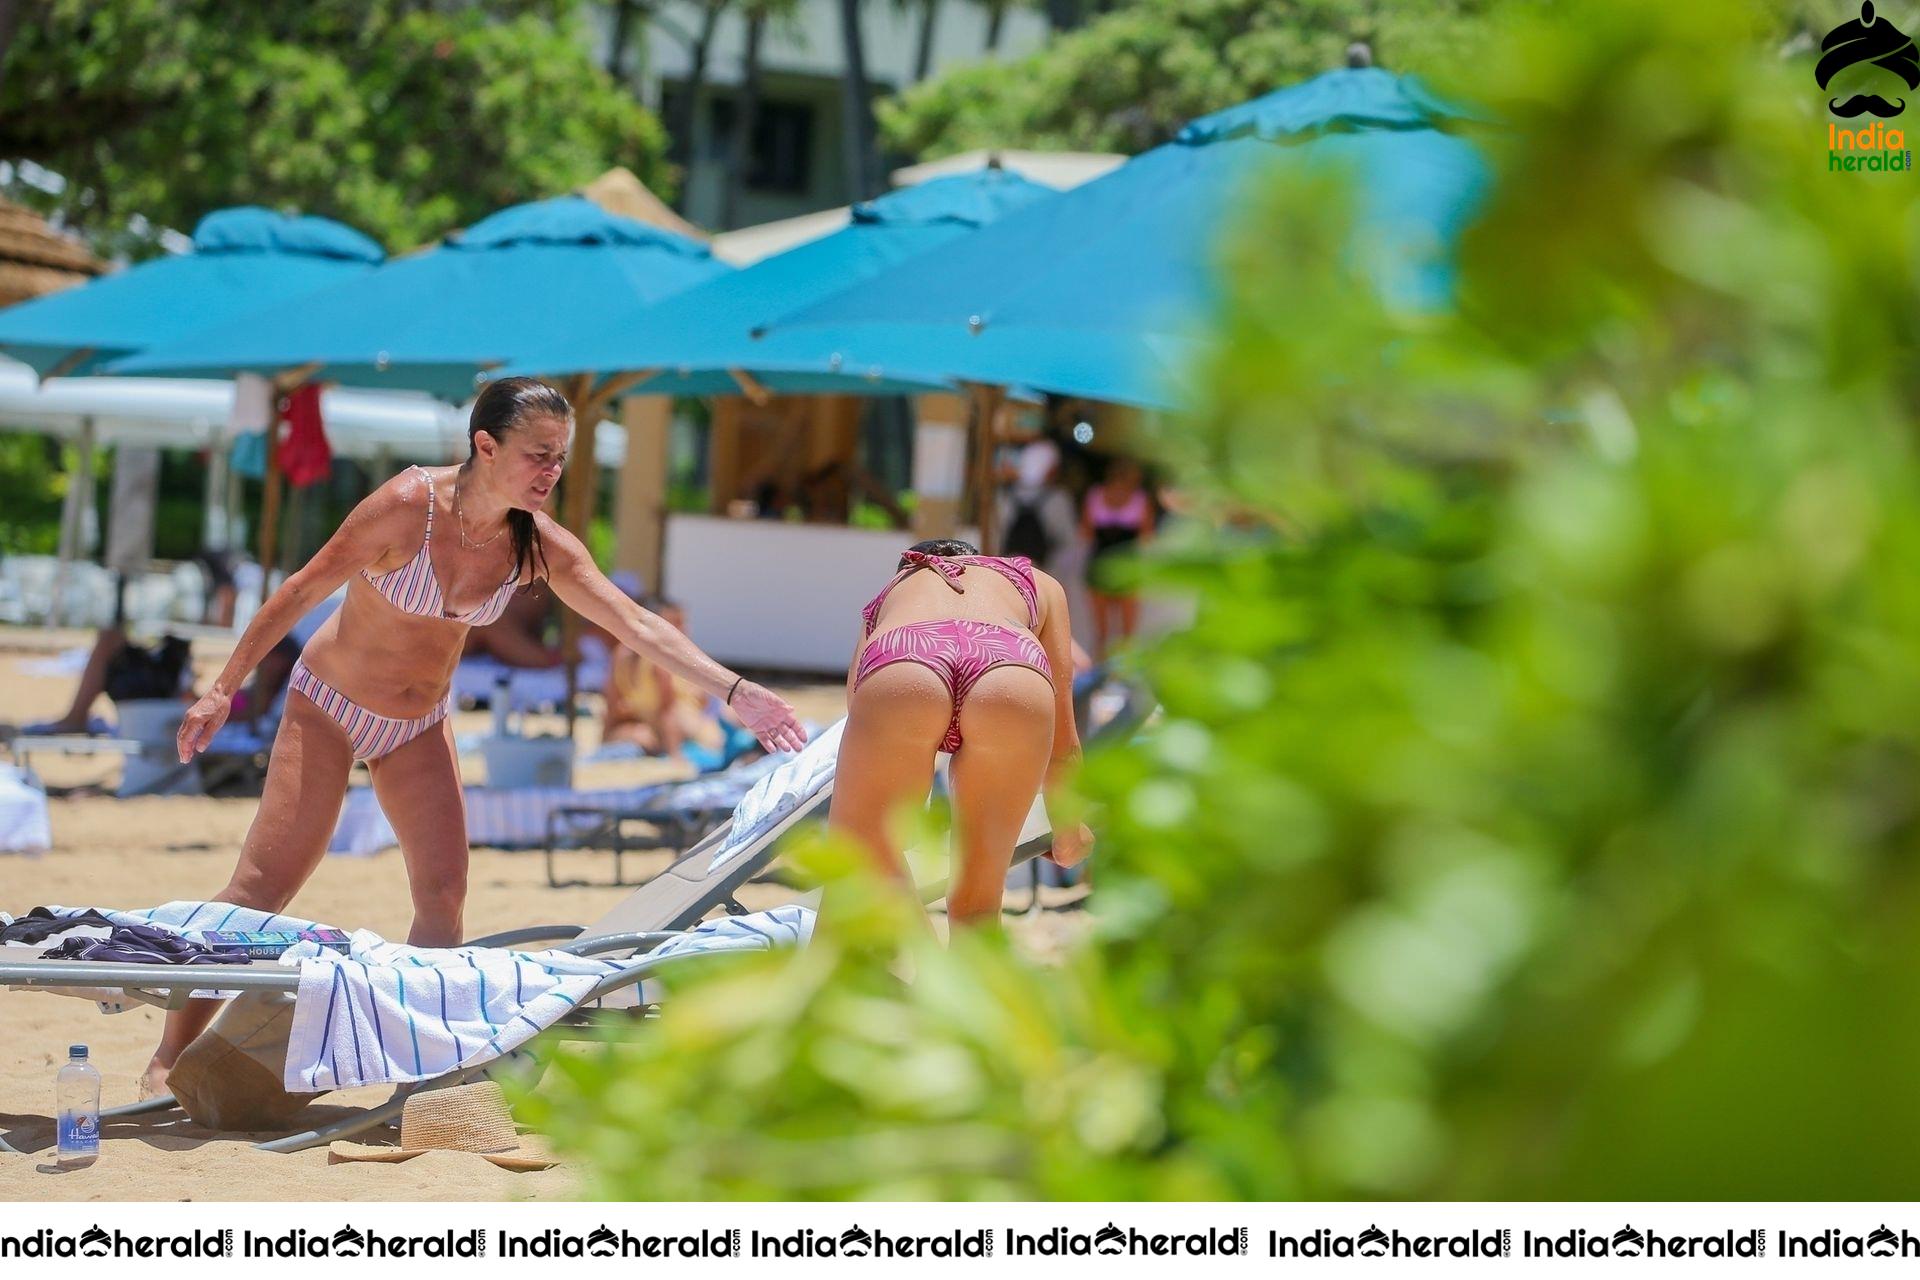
(769,716)
(1073,845)
(202,721)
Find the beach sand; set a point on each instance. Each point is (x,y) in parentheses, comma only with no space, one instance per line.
(142,852)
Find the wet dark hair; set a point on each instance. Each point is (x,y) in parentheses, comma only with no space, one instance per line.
(503,408)
(941,547)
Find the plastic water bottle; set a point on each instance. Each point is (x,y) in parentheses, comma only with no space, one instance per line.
(499,704)
(76,1092)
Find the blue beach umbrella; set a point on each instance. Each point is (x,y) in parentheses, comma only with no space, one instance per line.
(434,321)
(1100,292)
(244,262)
(701,342)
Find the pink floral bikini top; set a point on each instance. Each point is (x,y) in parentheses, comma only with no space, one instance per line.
(415,588)
(1015,569)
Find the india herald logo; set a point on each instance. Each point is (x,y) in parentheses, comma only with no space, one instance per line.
(1880,51)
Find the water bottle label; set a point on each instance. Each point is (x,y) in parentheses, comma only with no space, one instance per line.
(79,1131)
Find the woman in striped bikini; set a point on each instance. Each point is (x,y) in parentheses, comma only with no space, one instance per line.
(430,554)
(958,654)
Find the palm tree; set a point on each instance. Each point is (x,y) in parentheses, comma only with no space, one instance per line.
(758,14)
(996,18)
(923,48)
(617,40)
(863,163)
(680,127)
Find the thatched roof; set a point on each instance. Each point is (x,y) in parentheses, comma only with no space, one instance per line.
(619,191)
(36,259)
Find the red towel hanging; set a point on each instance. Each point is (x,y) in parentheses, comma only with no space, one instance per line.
(304,455)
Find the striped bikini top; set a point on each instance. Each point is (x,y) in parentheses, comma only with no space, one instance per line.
(1015,569)
(415,588)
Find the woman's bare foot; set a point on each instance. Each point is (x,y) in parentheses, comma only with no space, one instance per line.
(153,1082)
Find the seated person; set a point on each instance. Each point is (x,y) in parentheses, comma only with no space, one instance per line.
(518,638)
(661,714)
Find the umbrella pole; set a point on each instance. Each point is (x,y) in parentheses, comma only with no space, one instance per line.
(73,516)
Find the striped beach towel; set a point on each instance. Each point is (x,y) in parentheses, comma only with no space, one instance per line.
(386,1013)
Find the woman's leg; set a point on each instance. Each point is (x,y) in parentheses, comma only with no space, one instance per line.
(418,786)
(1129,607)
(1007,731)
(1101,610)
(894,725)
(306,782)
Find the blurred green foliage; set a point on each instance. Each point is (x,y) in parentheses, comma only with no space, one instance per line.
(404,120)
(1533,813)
(33,476)
(1128,79)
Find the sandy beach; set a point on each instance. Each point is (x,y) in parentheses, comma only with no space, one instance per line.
(142,852)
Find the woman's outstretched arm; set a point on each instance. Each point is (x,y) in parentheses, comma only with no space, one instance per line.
(584,589)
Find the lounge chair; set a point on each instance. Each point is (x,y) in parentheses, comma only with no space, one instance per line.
(704,878)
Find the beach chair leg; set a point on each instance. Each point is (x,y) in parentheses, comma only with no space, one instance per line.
(386,1113)
(146,1106)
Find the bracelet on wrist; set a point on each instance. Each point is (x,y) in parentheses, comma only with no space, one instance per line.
(736,685)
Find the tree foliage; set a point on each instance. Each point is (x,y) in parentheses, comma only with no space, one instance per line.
(401,119)
(1129,79)
(1532,814)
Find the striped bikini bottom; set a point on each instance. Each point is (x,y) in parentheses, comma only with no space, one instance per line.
(959,651)
(369,735)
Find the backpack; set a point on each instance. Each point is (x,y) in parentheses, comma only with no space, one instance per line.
(1026,533)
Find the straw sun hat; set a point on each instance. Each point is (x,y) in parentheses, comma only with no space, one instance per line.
(467,1117)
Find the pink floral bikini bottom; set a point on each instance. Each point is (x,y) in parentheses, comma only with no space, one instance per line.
(956,650)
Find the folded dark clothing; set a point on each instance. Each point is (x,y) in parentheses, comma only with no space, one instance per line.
(40,924)
(140,944)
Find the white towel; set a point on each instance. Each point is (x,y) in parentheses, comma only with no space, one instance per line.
(23,813)
(781,792)
(385,1012)
(252,405)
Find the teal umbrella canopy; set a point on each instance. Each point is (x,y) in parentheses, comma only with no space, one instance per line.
(435,321)
(694,341)
(244,261)
(1102,291)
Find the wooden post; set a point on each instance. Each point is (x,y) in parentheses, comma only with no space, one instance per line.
(578,515)
(270,507)
(987,402)
(941,464)
(640,511)
(723,453)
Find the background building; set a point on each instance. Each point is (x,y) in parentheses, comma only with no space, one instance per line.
(797,160)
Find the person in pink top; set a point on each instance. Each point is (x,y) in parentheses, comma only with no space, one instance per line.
(1119,516)
(431,553)
(957,654)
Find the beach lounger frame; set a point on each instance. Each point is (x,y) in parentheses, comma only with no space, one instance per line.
(665,907)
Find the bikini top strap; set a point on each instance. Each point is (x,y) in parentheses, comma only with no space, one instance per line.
(428,477)
(916,561)
(947,569)
(1019,571)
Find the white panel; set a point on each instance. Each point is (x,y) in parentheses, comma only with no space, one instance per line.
(765,593)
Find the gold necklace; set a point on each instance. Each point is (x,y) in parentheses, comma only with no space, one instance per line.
(460,523)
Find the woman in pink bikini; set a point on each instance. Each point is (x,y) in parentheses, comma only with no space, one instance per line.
(428,555)
(958,655)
